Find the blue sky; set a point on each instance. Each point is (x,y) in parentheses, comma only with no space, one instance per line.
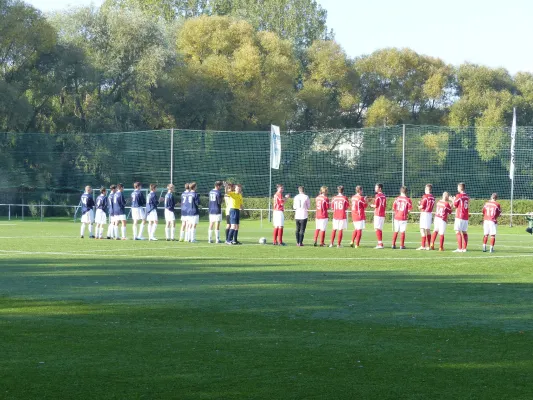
(486,32)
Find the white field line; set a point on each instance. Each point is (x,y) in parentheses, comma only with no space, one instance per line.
(455,257)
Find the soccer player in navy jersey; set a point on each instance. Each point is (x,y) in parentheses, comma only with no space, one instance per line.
(151,212)
(119,210)
(110,199)
(184,212)
(170,218)
(87,212)
(193,199)
(138,203)
(101,208)
(215,212)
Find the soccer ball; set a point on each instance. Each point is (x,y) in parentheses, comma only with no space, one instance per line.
(262,240)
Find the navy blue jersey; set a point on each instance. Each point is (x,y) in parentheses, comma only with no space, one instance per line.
(101,203)
(152,202)
(215,202)
(193,200)
(110,199)
(169,202)
(184,204)
(87,203)
(137,199)
(119,204)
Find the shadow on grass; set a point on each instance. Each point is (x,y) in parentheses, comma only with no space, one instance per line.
(41,287)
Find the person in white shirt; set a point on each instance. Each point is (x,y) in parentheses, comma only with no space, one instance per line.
(301,204)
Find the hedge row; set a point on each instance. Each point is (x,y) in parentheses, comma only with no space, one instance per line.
(476,206)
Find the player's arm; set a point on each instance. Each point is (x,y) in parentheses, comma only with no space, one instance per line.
(422,204)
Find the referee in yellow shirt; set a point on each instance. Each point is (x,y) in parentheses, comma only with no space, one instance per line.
(235,204)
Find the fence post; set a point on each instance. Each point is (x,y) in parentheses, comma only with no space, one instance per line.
(172,155)
(403,155)
(9,212)
(41,211)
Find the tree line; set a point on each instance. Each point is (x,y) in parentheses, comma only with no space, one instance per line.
(228,65)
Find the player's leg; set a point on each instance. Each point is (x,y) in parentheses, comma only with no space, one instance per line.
(396,227)
(354,234)
(210,229)
(134,213)
(124,229)
(303,227)
(492,243)
(403,228)
(333,232)
(143,223)
(297,231)
(82,229)
(378,226)
(217,228)
(341,232)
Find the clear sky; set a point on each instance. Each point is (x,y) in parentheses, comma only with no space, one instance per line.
(487,32)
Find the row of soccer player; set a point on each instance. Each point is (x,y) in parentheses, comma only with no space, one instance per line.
(144,211)
(402,206)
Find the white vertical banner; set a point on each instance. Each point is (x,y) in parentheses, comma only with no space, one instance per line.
(513,137)
(275,147)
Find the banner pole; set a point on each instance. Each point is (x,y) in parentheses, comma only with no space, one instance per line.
(270,181)
(403,155)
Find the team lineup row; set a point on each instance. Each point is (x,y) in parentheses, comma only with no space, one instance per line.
(145,211)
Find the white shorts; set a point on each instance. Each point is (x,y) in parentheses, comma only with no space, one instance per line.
(340,224)
(460,225)
(215,217)
(111,219)
(321,224)
(359,225)
(379,222)
(152,216)
(101,217)
(400,226)
(193,219)
(88,217)
(439,226)
(425,220)
(184,218)
(489,228)
(121,217)
(169,216)
(278,219)
(138,213)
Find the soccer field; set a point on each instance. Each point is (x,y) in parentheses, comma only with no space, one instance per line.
(87,319)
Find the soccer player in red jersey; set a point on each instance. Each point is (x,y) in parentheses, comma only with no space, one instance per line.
(339,204)
(491,212)
(461,203)
(359,205)
(379,205)
(426,208)
(321,216)
(402,206)
(441,220)
(279,216)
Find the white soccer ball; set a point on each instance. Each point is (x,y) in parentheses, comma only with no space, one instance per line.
(262,240)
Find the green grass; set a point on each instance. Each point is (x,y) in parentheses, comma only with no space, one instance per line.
(85,319)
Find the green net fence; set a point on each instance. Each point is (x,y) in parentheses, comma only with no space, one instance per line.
(54,168)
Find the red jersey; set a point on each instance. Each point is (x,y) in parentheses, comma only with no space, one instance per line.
(279,202)
(322,207)
(401,206)
(358,208)
(427,203)
(443,210)
(461,204)
(380,201)
(339,204)
(491,211)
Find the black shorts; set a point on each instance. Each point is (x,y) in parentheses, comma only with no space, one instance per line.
(228,220)
(234,216)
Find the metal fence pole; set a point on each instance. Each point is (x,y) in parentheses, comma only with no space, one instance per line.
(403,156)
(9,212)
(41,212)
(172,155)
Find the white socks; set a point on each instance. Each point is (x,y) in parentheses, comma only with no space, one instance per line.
(123,232)
(218,235)
(134,231)
(82,231)
(141,230)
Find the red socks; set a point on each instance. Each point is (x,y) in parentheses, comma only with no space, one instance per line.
(434,237)
(459,240)
(316,234)
(340,237)
(379,235)
(333,234)
(428,239)
(354,236)
(485,239)
(275,235)
(465,240)
(441,242)
(280,235)
(358,237)
(492,240)
(394,237)
(424,241)
(402,239)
